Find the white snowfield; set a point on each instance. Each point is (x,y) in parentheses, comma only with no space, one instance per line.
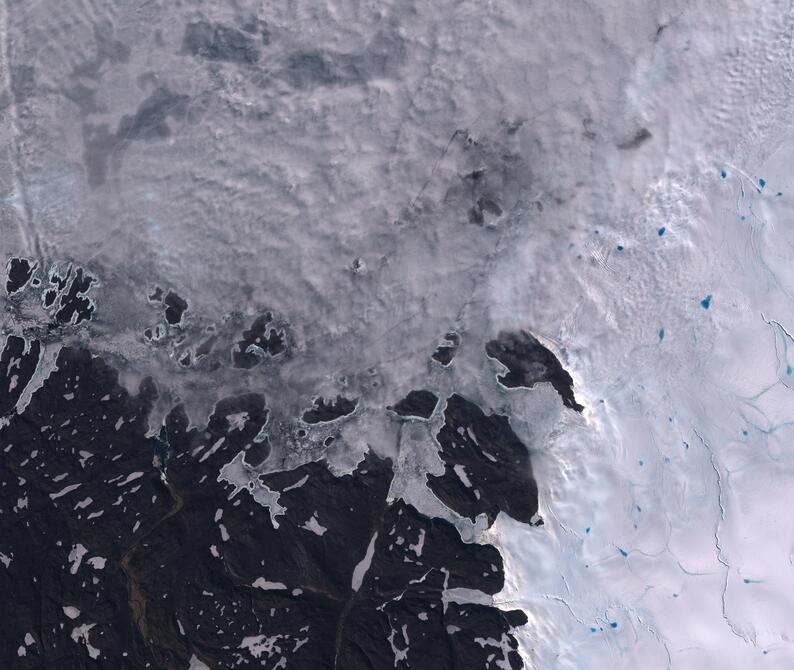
(669,535)
(641,155)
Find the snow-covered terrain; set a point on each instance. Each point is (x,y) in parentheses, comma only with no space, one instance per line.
(670,540)
(613,176)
